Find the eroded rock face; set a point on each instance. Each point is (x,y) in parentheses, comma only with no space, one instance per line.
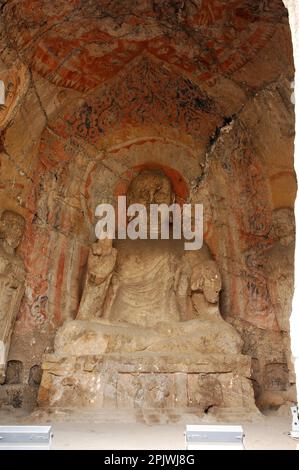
(76,338)
(101,263)
(123,31)
(12,277)
(146,282)
(199,92)
(150,187)
(273,371)
(279,262)
(16,81)
(272,375)
(162,305)
(150,382)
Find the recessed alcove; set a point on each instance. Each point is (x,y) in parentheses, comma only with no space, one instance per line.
(96,95)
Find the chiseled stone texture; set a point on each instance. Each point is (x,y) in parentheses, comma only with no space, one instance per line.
(147,309)
(12,277)
(293,10)
(148,381)
(100,91)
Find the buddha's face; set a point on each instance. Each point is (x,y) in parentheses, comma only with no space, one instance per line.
(150,187)
(206,278)
(12,228)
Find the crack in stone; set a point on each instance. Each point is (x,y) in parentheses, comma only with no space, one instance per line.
(227,125)
(38,96)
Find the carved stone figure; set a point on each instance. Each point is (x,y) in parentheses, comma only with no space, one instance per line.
(150,187)
(144,277)
(100,267)
(199,285)
(279,264)
(12,277)
(148,332)
(149,294)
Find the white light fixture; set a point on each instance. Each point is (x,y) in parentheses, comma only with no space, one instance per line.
(25,437)
(209,437)
(295,425)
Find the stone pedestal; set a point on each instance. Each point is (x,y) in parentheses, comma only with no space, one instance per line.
(200,383)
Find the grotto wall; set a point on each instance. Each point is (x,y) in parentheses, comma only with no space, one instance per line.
(294,320)
(97,93)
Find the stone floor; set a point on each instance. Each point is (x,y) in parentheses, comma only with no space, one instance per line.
(79,432)
(273,434)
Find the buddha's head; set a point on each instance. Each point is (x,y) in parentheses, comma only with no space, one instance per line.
(206,278)
(102,247)
(150,187)
(12,227)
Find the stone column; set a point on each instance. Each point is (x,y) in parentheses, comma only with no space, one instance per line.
(293,8)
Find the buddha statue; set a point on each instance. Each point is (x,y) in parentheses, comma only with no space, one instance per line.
(149,295)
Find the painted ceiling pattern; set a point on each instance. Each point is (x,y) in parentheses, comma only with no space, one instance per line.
(80,44)
(143,96)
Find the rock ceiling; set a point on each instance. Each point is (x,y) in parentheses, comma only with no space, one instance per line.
(80,44)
